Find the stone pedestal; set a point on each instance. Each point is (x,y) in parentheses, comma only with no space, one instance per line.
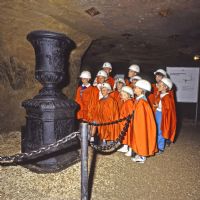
(50,114)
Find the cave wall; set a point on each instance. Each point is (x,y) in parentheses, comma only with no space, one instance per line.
(17,59)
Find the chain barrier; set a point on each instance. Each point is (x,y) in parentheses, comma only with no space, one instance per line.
(106,123)
(19,158)
(109,148)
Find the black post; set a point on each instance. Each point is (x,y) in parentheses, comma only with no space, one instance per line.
(84,161)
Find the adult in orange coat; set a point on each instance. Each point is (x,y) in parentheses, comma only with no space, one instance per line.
(107,111)
(144,126)
(83,96)
(127,109)
(165,114)
(134,70)
(119,83)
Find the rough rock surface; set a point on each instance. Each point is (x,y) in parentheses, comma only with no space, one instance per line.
(174,175)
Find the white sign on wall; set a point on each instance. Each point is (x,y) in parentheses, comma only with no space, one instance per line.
(186,81)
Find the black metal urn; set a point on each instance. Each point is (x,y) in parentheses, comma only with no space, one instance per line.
(50,114)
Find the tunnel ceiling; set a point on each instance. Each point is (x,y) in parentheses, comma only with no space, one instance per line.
(151,32)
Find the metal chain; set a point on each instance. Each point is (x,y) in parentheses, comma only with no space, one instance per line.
(18,158)
(106,123)
(112,147)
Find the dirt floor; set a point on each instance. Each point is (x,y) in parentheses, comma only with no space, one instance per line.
(174,175)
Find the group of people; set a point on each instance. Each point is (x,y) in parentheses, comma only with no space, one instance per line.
(108,99)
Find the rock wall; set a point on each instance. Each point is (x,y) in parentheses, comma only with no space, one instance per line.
(17,59)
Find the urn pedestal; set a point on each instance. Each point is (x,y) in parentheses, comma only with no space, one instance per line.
(50,114)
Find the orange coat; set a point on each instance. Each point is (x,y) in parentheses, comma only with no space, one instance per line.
(127,82)
(83,97)
(144,129)
(154,96)
(116,96)
(168,122)
(92,104)
(111,81)
(127,109)
(107,111)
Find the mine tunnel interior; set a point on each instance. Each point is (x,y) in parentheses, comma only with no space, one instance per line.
(152,34)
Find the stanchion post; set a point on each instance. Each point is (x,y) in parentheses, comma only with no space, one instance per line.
(84,161)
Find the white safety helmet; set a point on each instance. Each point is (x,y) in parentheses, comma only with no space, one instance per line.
(143,84)
(121,80)
(118,80)
(135,78)
(161,71)
(167,82)
(107,65)
(106,85)
(128,90)
(85,74)
(102,73)
(134,68)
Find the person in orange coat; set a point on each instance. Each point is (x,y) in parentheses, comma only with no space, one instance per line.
(83,95)
(134,70)
(165,114)
(107,111)
(133,81)
(155,94)
(127,109)
(119,83)
(107,67)
(144,126)
(96,93)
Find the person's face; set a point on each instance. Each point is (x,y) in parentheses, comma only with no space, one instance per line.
(119,86)
(161,87)
(107,70)
(104,91)
(138,91)
(124,96)
(131,73)
(158,77)
(85,81)
(134,81)
(101,79)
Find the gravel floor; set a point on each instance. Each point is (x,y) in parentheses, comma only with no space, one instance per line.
(174,175)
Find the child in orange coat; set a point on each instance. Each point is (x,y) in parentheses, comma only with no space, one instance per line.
(154,96)
(127,109)
(83,95)
(107,111)
(119,83)
(165,114)
(107,67)
(134,80)
(144,126)
(133,71)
